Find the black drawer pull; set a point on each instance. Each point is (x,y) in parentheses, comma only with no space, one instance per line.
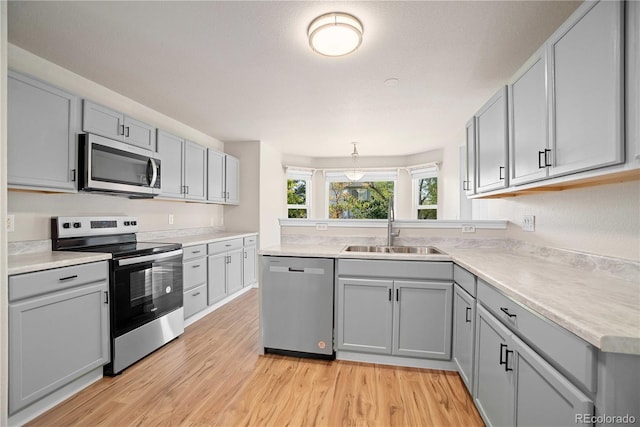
(506,311)
(466,314)
(106,297)
(502,347)
(195,252)
(62,279)
(196,266)
(196,294)
(506,361)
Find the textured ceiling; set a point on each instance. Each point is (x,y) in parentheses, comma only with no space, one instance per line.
(243,70)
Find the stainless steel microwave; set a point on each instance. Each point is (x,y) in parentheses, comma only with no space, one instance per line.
(110,166)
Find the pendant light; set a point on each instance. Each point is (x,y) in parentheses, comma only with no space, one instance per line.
(335,34)
(355,174)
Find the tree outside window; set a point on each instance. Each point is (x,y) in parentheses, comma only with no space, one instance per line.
(298,186)
(360,200)
(427,198)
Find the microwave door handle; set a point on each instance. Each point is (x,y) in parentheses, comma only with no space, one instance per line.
(154,172)
(148,258)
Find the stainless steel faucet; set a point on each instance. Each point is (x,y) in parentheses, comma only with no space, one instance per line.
(390,219)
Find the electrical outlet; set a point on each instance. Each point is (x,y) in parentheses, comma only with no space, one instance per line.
(468,229)
(170,219)
(528,223)
(11,223)
(322,226)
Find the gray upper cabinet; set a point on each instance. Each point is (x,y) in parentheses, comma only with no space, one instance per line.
(48,347)
(184,166)
(469,182)
(365,314)
(422,319)
(464,310)
(109,123)
(223,178)
(42,122)
(528,130)
(585,66)
(491,143)
(633,80)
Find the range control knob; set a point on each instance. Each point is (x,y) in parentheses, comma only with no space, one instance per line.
(134,222)
(77,225)
(127,223)
(66,225)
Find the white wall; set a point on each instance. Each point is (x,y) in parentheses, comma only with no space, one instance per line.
(603,219)
(273,195)
(246,216)
(33,209)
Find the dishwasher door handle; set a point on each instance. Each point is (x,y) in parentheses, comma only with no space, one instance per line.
(303,270)
(296,270)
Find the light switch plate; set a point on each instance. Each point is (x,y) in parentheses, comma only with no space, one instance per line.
(170,219)
(468,229)
(321,226)
(528,223)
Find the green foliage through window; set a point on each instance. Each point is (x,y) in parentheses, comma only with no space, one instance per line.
(297,198)
(427,198)
(360,200)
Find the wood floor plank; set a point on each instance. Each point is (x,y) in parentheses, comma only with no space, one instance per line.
(213,376)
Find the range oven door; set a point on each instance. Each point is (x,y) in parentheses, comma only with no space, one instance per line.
(115,167)
(145,288)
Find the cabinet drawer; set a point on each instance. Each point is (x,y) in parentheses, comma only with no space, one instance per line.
(424,270)
(224,246)
(561,348)
(250,241)
(194,273)
(195,300)
(194,252)
(466,280)
(42,282)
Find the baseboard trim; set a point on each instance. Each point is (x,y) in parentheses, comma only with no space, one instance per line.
(407,362)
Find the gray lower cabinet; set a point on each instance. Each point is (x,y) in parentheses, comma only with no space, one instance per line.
(224,269)
(464,320)
(58,329)
(514,385)
(194,278)
(397,317)
(113,124)
(42,122)
(249,261)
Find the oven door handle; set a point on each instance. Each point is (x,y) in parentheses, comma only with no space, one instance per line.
(147,258)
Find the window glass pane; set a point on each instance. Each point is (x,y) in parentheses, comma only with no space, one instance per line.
(360,200)
(297,213)
(428,191)
(296,192)
(427,214)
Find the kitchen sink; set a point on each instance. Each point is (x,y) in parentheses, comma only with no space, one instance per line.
(422,250)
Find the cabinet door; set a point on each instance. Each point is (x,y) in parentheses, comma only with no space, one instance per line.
(491,143)
(234,271)
(469,184)
(538,385)
(494,385)
(49,348)
(139,133)
(528,130)
(422,319)
(41,134)
(195,171)
(249,266)
(586,70)
(365,313)
(463,334)
(215,176)
(232,179)
(102,121)
(170,148)
(632,85)
(217,274)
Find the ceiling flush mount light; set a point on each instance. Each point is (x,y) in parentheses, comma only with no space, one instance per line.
(335,34)
(355,174)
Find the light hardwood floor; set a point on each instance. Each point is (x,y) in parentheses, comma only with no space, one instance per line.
(213,376)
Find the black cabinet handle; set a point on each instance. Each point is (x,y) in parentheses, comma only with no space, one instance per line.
(501,170)
(195,266)
(506,361)
(502,347)
(62,279)
(542,160)
(466,314)
(195,252)
(397,294)
(390,295)
(464,185)
(546,158)
(106,297)
(506,311)
(121,129)
(196,294)
(245,255)
(127,132)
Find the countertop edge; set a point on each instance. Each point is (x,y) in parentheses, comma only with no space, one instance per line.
(65,259)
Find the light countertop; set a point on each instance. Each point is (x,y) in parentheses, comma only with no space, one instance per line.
(201,239)
(599,308)
(30,262)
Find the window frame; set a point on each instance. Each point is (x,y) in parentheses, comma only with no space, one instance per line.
(369,176)
(416,176)
(301,175)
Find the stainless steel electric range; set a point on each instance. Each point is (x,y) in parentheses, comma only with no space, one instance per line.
(145,284)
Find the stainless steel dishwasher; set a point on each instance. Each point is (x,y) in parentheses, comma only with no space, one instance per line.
(297,306)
